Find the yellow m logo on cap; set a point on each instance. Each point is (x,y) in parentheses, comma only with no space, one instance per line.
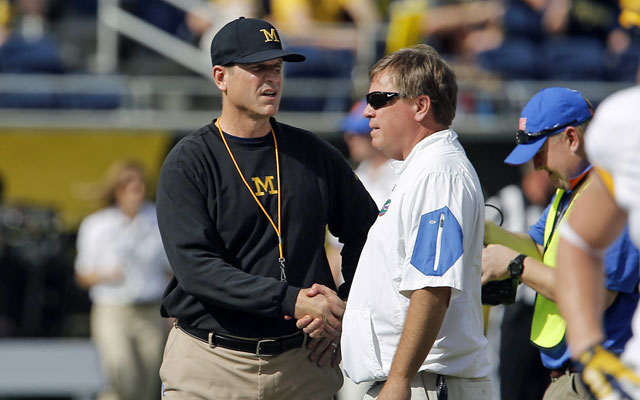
(270,36)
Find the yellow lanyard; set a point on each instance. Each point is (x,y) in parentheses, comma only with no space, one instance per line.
(283,275)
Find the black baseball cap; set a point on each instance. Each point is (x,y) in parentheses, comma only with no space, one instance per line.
(249,40)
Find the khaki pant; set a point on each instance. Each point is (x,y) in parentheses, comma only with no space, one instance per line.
(568,386)
(423,387)
(353,391)
(192,370)
(129,339)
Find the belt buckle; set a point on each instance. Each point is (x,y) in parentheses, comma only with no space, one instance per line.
(260,342)
(211,341)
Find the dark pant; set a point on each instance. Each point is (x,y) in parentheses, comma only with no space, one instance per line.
(522,376)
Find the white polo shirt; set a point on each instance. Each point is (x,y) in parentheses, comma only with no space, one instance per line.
(428,234)
(613,143)
(109,239)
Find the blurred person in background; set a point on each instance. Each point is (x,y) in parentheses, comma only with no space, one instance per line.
(564,39)
(551,133)
(121,260)
(28,46)
(328,24)
(205,19)
(336,37)
(373,169)
(5,14)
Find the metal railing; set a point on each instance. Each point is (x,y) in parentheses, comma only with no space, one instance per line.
(113,20)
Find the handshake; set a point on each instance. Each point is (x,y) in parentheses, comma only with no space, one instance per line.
(319,312)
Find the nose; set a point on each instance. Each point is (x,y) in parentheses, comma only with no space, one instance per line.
(368,112)
(273,75)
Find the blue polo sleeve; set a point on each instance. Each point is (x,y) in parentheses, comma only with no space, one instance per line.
(622,263)
(536,231)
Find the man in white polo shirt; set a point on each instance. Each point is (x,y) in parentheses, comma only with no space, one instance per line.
(413,321)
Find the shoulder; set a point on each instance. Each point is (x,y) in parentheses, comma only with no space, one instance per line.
(189,156)
(451,167)
(302,137)
(99,219)
(189,145)
(148,211)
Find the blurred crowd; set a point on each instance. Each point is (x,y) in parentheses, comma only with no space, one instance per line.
(592,40)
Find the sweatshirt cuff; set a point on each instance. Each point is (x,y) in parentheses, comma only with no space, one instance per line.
(343,291)
(289,302)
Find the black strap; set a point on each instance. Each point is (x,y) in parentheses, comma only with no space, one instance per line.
(442,392)
(258,346)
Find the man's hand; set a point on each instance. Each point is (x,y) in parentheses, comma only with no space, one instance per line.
(606,377)
(325,350)
(319,312)
(395,390)
(495,260)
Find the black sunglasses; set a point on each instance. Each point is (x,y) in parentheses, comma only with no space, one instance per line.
(378,100)
(524,137)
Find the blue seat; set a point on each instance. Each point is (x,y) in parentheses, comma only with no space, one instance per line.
(516,58)
(19,55)
(572,58)
(321,64)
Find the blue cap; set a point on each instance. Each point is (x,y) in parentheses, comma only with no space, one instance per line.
(548,109)
(354,122)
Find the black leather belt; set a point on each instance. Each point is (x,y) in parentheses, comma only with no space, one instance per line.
(556,374)
(260,347)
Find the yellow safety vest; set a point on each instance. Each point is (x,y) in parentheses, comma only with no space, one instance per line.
(548,327)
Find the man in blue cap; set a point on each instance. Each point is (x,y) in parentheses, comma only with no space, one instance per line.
(551,133)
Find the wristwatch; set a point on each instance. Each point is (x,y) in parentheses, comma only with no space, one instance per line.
(516,266)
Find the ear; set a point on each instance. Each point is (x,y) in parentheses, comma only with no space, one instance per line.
(220,77)
(573,138)
(422,107)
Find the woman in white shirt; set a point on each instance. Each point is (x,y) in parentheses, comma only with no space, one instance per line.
(122,262)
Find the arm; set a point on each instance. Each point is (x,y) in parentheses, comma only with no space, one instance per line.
(521,242)
(427,308)
(352,211)
(594,224)
(91,268)
(598,221)
(495,261)
(87,280)
(296,20)
(536,274)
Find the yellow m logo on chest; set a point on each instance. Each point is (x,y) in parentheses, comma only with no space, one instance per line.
(270,36)
(264,187)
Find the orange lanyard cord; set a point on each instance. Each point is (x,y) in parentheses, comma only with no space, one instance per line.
(278,228)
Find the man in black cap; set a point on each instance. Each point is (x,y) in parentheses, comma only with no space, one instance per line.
(243,204)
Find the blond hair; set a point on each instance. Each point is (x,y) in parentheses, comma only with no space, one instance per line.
(116,177)
(419,70)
